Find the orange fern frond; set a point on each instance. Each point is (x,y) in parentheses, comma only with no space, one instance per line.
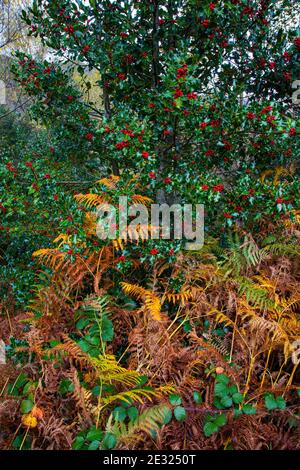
(110,183)
(50,256)
(91,200)
(138,199)
(180,297)
(63,239)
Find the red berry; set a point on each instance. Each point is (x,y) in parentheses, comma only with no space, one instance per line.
(218,188)
(89,136)
(121,76)
(69,29)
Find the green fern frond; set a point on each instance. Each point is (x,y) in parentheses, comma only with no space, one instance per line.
(256,295)
(281,249)
(150,421)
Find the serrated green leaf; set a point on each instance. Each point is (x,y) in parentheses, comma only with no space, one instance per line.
(109,441)
(226,401)
(180,413)
(220,389)
(94,435)
(270,402)
(210,428)
(26,406)
(222,378)
(119,413)
(197,397)
(133,413)
(237,398)
(175,400)
(249,409)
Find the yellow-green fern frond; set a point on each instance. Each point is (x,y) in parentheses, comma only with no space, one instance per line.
(151,301)
(136,394)
(149,421)
(108,369)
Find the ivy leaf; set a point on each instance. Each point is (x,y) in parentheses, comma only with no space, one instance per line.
(96,390)
(82,323)
(66,386)
(107,329)
(233,389)
(237,412)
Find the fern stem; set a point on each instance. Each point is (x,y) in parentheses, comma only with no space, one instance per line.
(252,361)
(289,383)
(266,365)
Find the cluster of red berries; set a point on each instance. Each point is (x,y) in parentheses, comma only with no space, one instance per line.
(178,93)
(69,29)
(181,72)
(218,188)
(297,42)
(122,145)
(11,168)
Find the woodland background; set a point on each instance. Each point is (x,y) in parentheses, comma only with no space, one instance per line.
(126,345)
